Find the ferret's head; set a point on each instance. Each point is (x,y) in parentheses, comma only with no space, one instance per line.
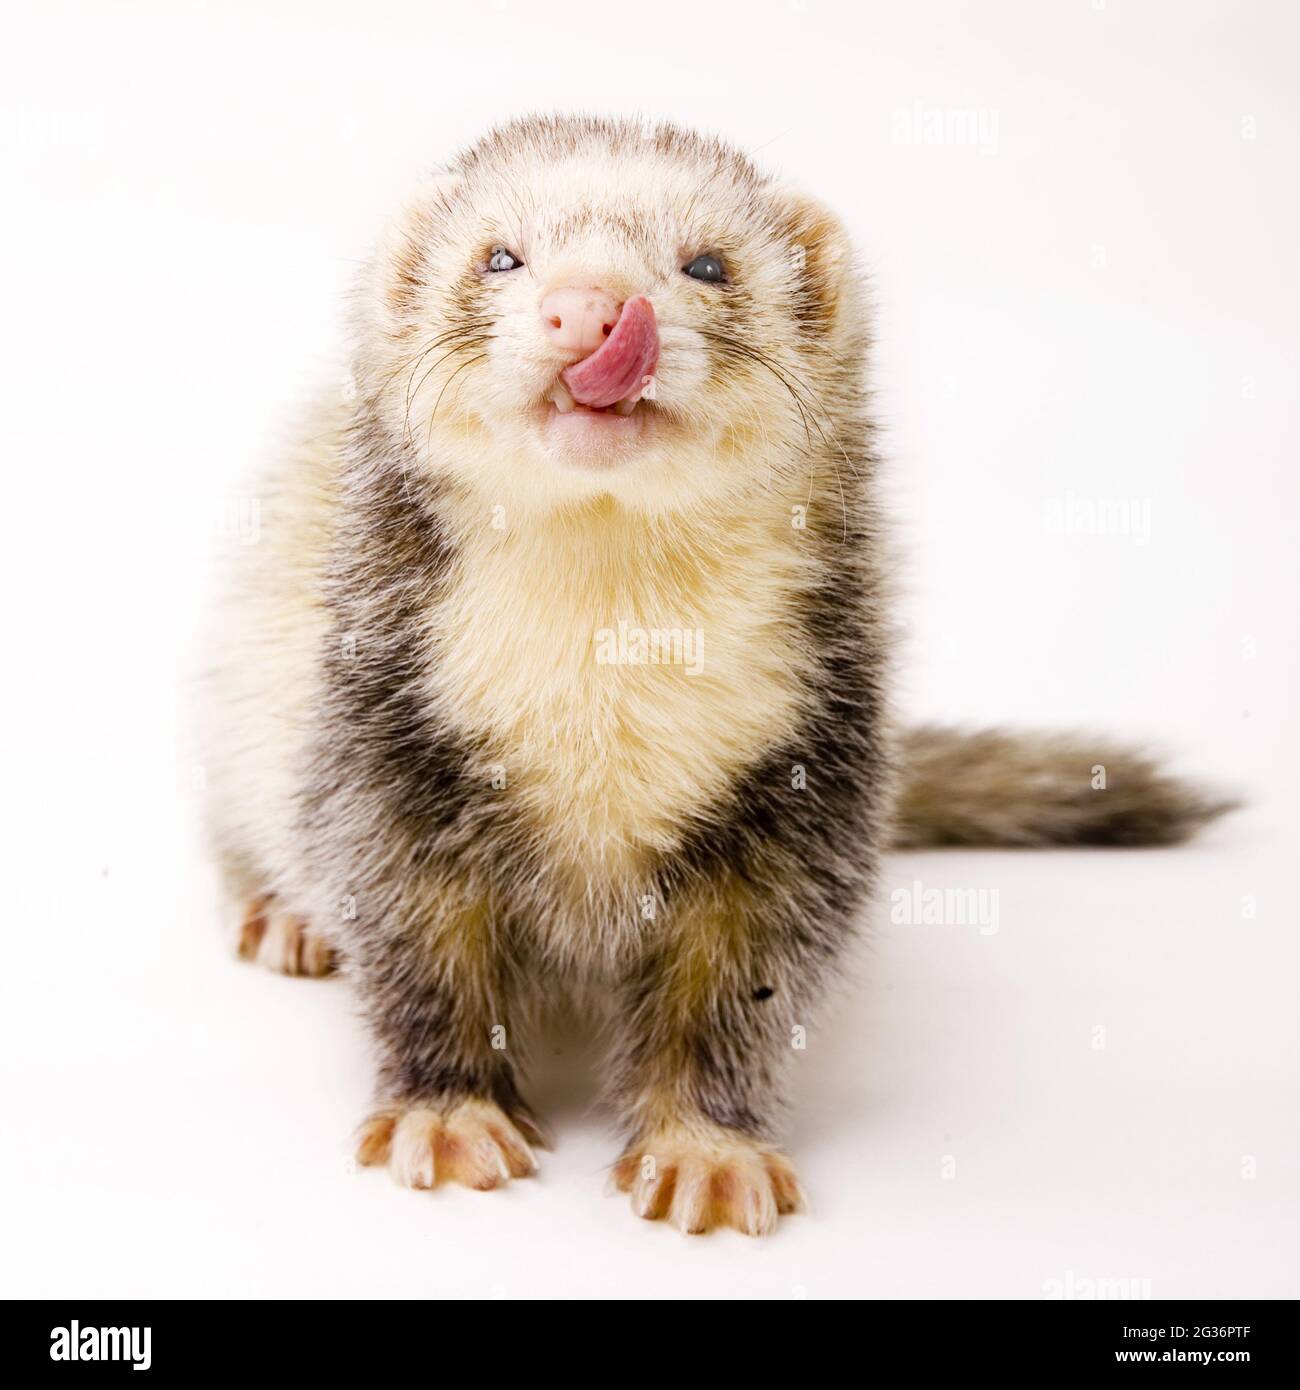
(581,308)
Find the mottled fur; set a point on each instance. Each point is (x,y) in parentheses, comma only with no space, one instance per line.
(412,745)
(995,788)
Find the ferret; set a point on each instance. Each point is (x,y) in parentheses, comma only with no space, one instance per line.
(561,667)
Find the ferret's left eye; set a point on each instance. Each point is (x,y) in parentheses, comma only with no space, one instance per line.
(501,259)
(706,268)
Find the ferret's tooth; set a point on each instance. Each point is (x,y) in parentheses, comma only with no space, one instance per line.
(561,398)
(626,407)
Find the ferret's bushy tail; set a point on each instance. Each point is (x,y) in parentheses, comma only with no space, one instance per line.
(995,788)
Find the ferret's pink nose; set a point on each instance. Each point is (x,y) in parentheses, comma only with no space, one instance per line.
(579,320)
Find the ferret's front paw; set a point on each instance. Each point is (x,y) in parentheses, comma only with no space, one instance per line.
(474,1143)
(282,942)
(700,1181)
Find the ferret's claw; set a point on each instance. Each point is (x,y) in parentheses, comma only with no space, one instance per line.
(475,1143)
(700,1182)
(282,942)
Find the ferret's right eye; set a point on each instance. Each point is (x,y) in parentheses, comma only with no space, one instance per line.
(501,259)
(707,268)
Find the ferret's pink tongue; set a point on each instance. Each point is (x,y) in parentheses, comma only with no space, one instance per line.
(617,368)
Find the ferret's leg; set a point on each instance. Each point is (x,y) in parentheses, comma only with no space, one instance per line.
(711,1014)
(435,998)
(282,941)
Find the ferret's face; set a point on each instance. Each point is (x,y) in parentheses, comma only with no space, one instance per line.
(580,310)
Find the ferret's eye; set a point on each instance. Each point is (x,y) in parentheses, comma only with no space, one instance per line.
(706,268)
(501,259)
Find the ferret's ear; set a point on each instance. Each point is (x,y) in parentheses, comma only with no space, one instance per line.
(820,253)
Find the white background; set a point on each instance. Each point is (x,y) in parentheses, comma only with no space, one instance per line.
(1103,304)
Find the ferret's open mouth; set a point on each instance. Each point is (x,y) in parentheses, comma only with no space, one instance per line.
(561,398)
(614,378)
